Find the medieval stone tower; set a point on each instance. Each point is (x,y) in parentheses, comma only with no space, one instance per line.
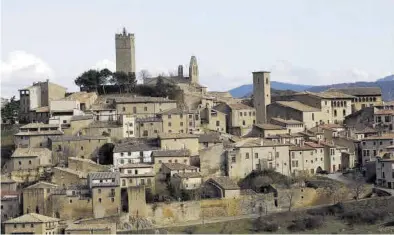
(125,52)
(261,95)
(193,70)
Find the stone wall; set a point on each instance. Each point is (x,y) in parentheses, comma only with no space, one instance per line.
(85,165)
(211,160)
(69,207)
(168,213)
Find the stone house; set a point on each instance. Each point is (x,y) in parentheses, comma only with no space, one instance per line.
(385,170)
(85,147)
(41,114)
(384,119)
(221,187)
(35,198)
(143,106)
(170,156)
(32,223)
(30,158)
(77,124)
(129,125)
(185,181)
(85,99)
(295,110)
(105,191)
(373,145)
(10,205)
(180,141)
(8,184)
(35,135)
(240,118)
(332,156)
(137,151)
(104,109)
(212,119)
(106,228)
(178,120)
(114,130)
(36,96)
(363,96)
(207,140)
(63,176)
(168,170)
(256,154)
(62,111)
(137,174)
(292,126)
(266,129)
(149,127)
(307,159)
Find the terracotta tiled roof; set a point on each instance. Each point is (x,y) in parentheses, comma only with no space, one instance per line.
(314,145)
(297,106)
(171,153)
(267,126)
(75,138)
(188,175)
(358,91)
(42,184)
(31,152)
(287,121)
(31,218)
(179,166)
(239,106)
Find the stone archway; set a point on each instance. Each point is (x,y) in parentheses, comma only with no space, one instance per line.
(319,169)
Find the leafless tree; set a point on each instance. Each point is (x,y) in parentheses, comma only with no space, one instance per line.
(289,196)
(144,74)
(337,193)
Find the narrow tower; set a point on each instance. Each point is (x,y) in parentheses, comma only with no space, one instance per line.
(193,70)
(261,95)
(125,52)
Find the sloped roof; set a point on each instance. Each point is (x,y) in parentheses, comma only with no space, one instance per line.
(179,166)
(135,165)
(357,91)
(212,137)
(239,106)
(225,182)
(384,112)
(314,145)
(76,138)
(39,125)
(188,175)
(301,148)
(102,226)
(176,111)
(287,121)
(31,152)
(81,117)
(42,184)
(171,153)
(297,106)
(268,126)
(177,136)
(381,137)
(31,218)
(143,99)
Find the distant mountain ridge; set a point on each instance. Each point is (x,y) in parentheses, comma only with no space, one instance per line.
(386,84)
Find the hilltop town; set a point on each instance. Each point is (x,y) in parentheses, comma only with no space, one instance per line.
(132,157)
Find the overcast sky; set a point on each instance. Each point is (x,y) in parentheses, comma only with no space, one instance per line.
(300,41)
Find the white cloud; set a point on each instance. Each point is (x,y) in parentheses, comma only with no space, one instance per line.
(22,69)
(102,64)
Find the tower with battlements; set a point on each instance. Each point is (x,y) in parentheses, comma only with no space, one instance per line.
(125,52)
(261,95)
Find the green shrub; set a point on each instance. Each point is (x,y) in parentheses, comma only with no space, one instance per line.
(267,226)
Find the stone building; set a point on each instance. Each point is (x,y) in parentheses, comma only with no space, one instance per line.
(178,121)
(38,96)
(170,156)
(221,187)
(125,52)
(32,223)
(10,205)
(254,154)
(180,141)
(85,147)
(385,169)
(137,174)
(141,106)
(307,159)
(295,110)
(132,152)
(213,120)
(35,198)
(168,169)
(265,130)
(35,135)
(209,139)
(30,159)
(372,146)
(105,191)
(186,182)
(240,118)
(363,96)
(292,126)
(149,127)
(384,120)
(64,176)
(261,95)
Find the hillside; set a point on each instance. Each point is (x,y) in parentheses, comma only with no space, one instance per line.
(386,84)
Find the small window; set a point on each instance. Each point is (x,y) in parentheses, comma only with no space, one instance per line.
(145,108)
(99,200)
(112,199)
(81,147)
(29,162)
(247,156)
(32,225)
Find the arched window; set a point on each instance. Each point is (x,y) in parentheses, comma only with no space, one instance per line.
(344,112)
(335,113)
